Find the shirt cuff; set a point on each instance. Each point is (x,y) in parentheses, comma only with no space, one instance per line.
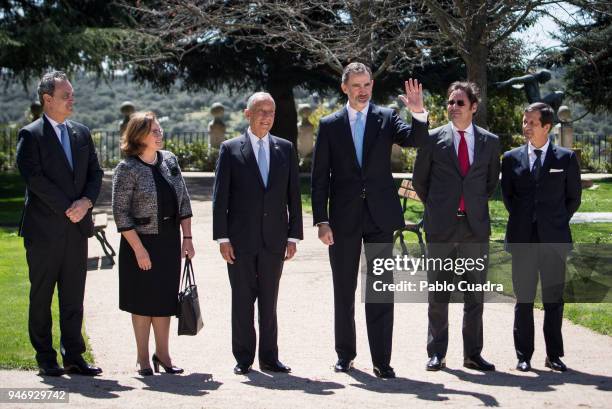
(420,116)
(291,239)
(320,223)
(223,240)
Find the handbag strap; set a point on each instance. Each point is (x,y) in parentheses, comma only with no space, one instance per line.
(187,278)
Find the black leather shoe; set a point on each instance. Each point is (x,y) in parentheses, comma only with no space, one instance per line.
(477,362)
(168,369)
(242,369)
(50,369)
(80,366)
(555,364)
(385,372)
(436,363)
(277,366)
(523,366)
(343,365)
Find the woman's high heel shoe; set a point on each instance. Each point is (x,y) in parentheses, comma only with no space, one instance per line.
(169,369)
(145,372)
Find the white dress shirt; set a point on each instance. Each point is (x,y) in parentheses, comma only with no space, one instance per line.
(55,125)
(255,145)
(469,139)
(532,155)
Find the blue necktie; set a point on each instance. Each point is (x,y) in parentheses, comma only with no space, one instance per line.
(66,143)
(358,137)
(262,162)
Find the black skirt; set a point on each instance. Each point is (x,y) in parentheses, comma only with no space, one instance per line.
(152,292)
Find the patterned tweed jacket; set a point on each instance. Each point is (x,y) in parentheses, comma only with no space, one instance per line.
(135,194)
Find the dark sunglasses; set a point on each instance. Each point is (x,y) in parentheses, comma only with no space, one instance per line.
(459,102)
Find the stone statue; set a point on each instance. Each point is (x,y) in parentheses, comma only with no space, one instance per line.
(216,127)
(531,84)
(305,131)
(127,108)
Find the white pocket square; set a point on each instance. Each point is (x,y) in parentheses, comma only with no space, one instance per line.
(556,170)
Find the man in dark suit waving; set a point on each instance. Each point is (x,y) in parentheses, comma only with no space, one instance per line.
(455,173)
(257,221)
(541,190)
(58,162)
(352,172)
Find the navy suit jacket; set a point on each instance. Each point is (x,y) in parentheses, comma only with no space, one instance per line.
(553,198)
(251,215)
(338,180)
(51,185)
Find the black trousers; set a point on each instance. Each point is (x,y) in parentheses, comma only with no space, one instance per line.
(255,277)
(62,261)
(546,261)
(344,258)
(458,243)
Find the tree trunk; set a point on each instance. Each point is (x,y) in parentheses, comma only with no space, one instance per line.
(476,64)
(285,120)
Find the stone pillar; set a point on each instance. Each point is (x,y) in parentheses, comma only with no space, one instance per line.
(566,133)
(305,131)
(397,164)
(216,127)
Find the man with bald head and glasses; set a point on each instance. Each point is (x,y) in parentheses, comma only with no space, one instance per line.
(455,173)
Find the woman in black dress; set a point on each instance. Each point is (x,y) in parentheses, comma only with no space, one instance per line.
(150,206)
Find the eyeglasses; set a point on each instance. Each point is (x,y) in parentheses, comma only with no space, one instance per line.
(459,102)
(159,132)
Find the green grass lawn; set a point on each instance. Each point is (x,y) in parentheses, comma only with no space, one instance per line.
(15,348)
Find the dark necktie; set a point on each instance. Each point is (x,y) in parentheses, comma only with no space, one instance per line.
(537,165)
(464,163)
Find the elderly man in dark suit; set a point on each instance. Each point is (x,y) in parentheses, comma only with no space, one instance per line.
(455,173)
(257,221)
(351,172)
(541,190)
(58,162)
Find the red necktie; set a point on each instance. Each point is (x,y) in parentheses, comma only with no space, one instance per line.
(464,163)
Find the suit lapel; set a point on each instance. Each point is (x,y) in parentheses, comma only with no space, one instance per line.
(276,159)
(478,145)
(249,157)
(348,135)
(72,134)
(372,126)
(54,142)
(448,140)
(548,160)
(525,161)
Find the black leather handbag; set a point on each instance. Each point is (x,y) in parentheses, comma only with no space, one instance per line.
(189,315)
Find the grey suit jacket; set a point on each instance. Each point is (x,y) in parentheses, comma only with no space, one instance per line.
(438,182)
(135,193)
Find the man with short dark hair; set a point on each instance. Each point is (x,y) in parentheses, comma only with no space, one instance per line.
(541,190)
(455,173)
(57,159)
(351,172)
